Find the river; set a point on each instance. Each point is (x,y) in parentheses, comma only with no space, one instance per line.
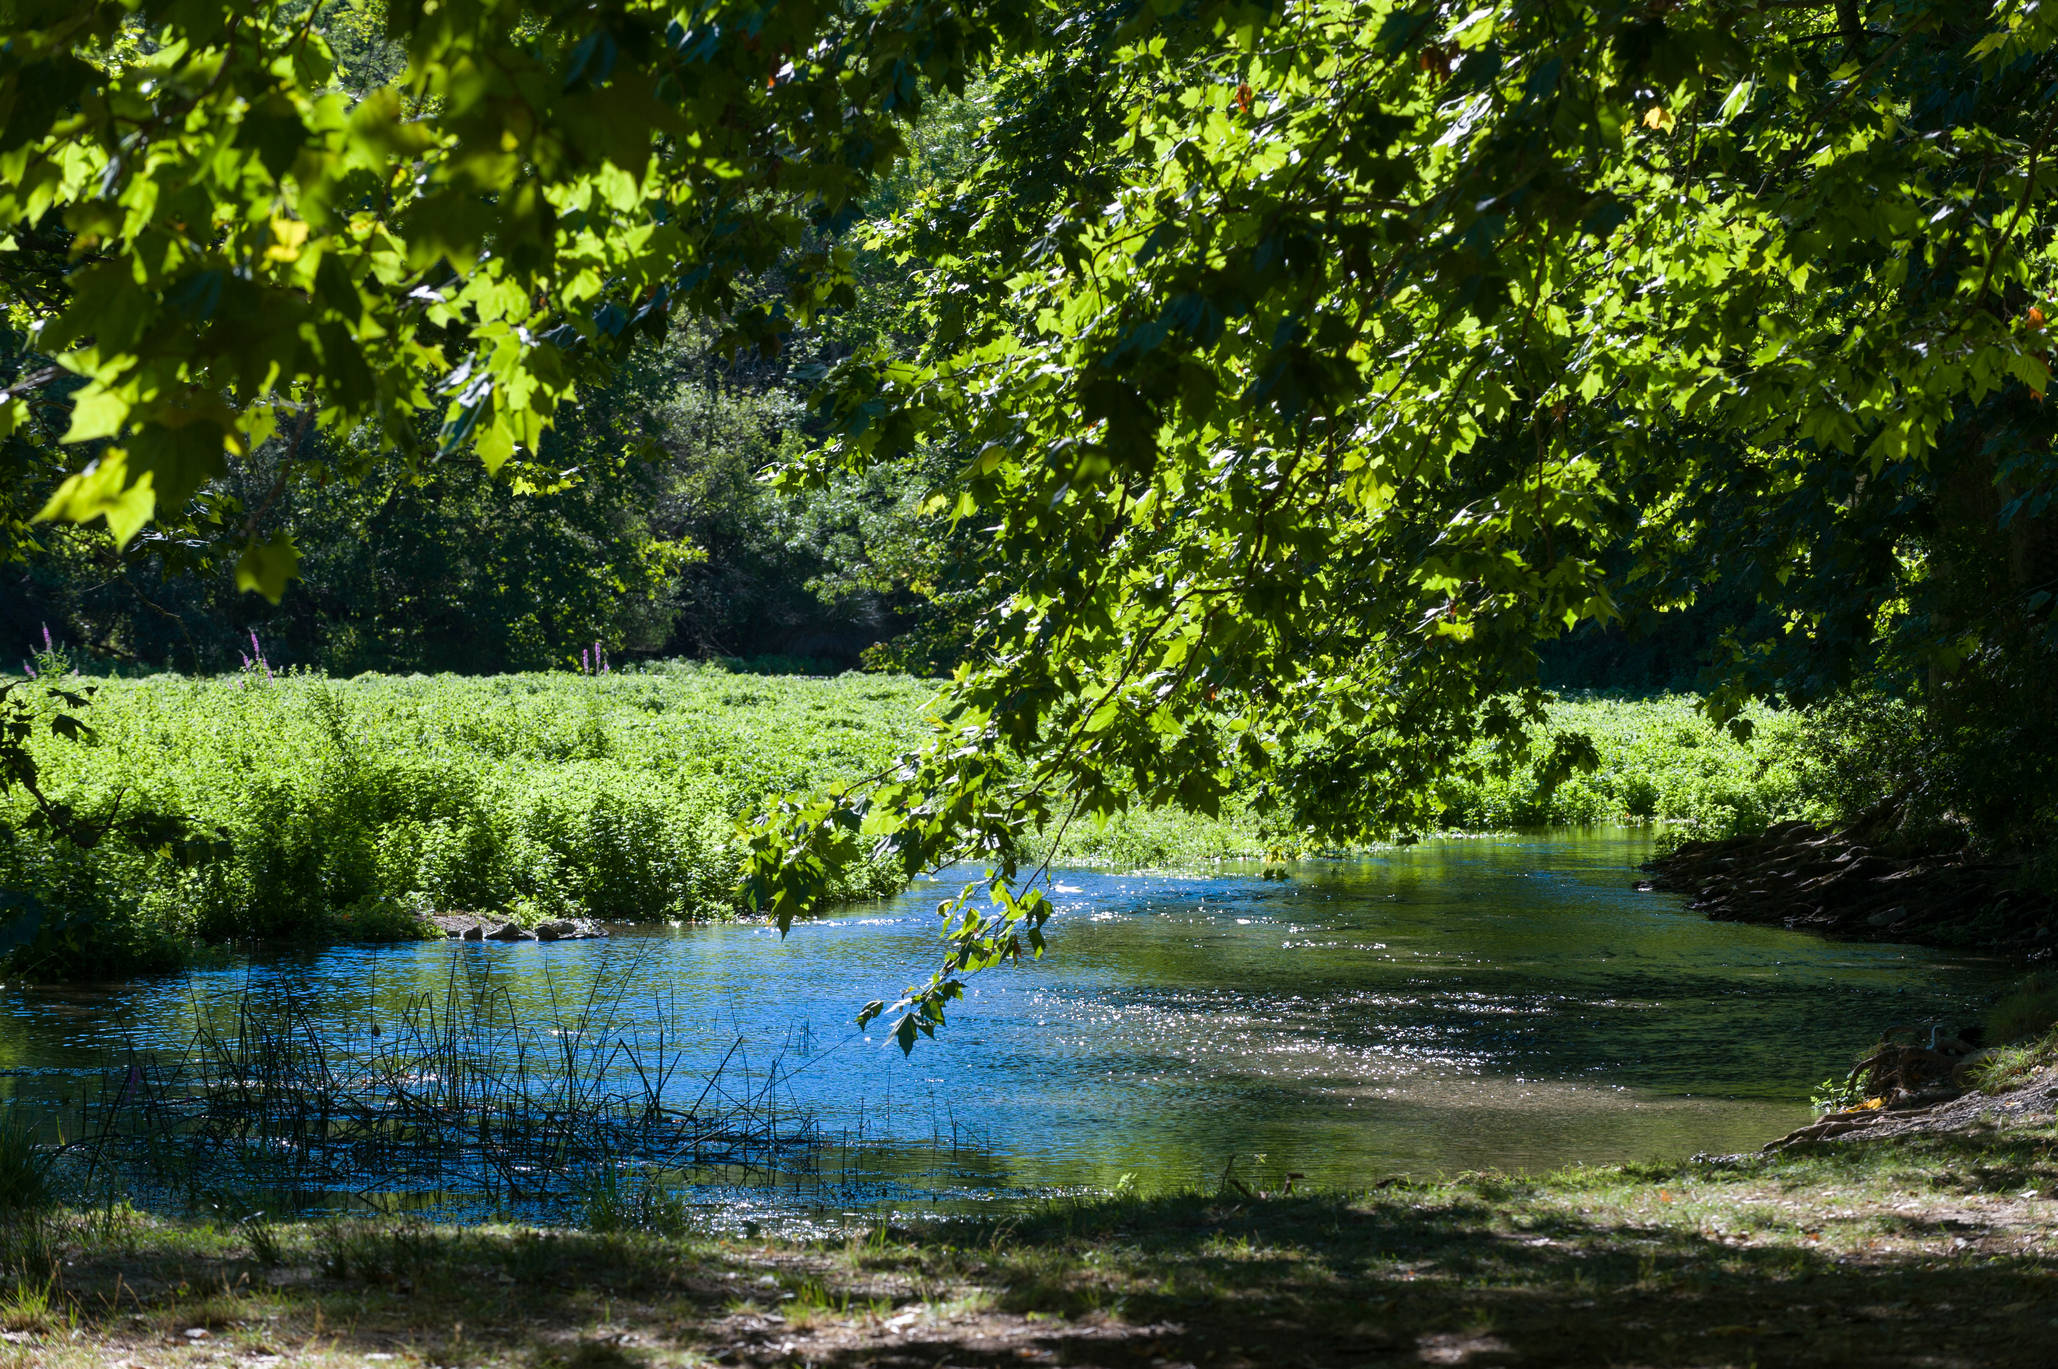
(1467,1003)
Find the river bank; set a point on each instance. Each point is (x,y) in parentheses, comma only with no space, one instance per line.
(1931,1249)
(1805,878)
(316,811)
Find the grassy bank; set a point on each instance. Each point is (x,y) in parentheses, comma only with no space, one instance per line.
(1931,1251)
(345,808)
(1659,760)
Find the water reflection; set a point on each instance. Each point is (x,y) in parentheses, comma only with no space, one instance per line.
(1464,1004)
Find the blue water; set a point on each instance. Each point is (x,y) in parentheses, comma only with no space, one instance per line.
(1464,1004)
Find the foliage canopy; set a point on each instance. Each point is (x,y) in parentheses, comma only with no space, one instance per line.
(233,236)
(1302,365)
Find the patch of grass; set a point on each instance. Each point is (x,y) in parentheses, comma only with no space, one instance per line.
(2023,1025)
(2005,1068)
(2029,1009)
(815,1303)
(33,1306)
(1917,1250)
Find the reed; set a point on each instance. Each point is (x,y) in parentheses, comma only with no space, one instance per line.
(24,1167)
(457,1097)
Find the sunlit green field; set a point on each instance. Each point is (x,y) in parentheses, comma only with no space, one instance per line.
(1659,759)
(346,804)
(336,808)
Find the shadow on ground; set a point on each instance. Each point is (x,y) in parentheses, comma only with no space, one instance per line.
(1933,1252)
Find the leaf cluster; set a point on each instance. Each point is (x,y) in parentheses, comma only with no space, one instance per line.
(1368,349)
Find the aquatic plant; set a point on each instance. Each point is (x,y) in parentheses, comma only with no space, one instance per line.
(24,1167)
(618,1198)
(459,1095)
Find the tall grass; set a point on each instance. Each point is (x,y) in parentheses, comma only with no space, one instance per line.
(1660,760)
(348,808)
(343,808)
(24,1168)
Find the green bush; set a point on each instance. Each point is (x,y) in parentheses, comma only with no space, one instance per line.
(381,918)
(2027,1010)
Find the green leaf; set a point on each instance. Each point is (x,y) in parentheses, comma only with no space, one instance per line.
(96,413)
(105,490)
(273,129)
(266,566)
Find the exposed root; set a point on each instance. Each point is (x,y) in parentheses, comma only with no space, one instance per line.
(1925,1087)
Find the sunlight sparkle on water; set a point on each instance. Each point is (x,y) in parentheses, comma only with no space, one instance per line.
(1431,1009)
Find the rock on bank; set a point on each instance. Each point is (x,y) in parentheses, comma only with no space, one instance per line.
(469,927)
(1796,875)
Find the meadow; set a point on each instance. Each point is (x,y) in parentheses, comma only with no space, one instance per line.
(322,809)
(1660,760)
(345,808)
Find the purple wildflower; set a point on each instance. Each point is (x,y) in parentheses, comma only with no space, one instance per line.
(30,667)
(47,644)
(254,659)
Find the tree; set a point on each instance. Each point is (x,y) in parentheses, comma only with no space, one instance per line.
(1390,343)
(230,244)
(439,566)
(1304,365)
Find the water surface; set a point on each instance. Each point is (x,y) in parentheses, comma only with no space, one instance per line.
(1464,1004)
